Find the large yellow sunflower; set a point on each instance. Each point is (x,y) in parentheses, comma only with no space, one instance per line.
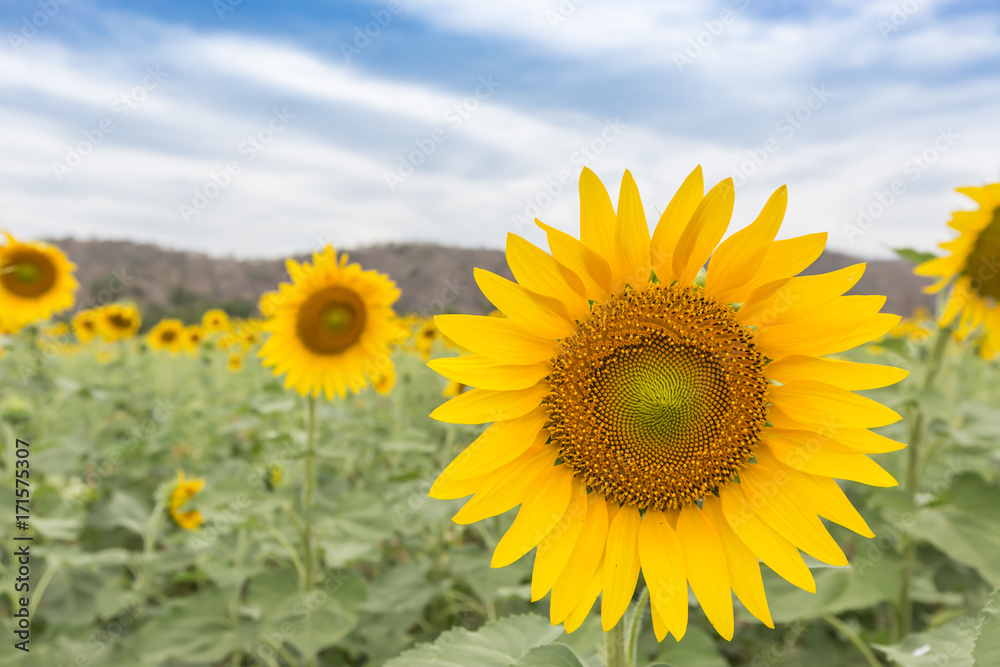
(973,267)
(330,327)
(118,321)
(167,335)
(653,417)
(36,281)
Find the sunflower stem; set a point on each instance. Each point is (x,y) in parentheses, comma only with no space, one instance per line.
(634,626)
(308,491)
(614,646)
(912,479)
(854,638)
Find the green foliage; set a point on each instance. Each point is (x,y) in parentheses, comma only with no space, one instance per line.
(914,256)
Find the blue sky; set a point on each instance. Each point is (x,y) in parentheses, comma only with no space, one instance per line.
(261,129)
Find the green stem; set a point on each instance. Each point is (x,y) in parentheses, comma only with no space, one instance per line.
(853,637)
(912,478)
(634,625)
(614,644)
(308,491)
(43,583)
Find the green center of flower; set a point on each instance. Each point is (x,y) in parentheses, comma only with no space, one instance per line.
(659,398)
(983,264)
(28,273)
(338,317)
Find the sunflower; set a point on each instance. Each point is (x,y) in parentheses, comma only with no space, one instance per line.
(56,330)
(215,321)
(234,363)
(167,335)
(118,321)
(85,325)
(453,389)
(383,379)
(972,269)
(191,338)
(36,281)
(331,325)
(424,337)
(183,492)
(645,423)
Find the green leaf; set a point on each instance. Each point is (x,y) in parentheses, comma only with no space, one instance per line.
(497,644)
(122,510)
(950,645)
(553,655)
(319,628)
(914,256)
(987,647)
(696,649)
(838,589)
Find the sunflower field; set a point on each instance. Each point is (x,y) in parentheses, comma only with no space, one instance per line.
(665,447)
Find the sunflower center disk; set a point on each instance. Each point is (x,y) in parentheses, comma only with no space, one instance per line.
(331,320)
(659,398)
(28,274)
(982,265)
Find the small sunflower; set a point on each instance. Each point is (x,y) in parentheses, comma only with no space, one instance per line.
(183,492)
(331,325)
(85,325)
(972,269)
(383,379)
(57,330)
(167,335)
(192,337)
(36,281)
(118,321)
(645,423)
(424,337)
(215,321)
(234,362)
(453,389)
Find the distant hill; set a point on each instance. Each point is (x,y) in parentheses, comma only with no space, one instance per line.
(433,278)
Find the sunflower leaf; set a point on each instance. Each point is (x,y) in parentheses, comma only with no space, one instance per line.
(914,256)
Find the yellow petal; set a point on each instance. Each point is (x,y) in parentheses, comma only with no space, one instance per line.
(499,444)
(811,457)
(704,231)
(783,259)
(597,216)
(813,402)
(789,300)
(706,567)
(540,314)
(844,374)
(785,514)
(583,607)
(621,565)
(498,338)
(536,270)
(582,565)
(631,265)
(504,488)
(591,267)
(846,323)
(478,406)
(476,370)
(744,570)
(662,557)
(539,513)
(865,442)
(776,552)
(555,548)
(672,223)
(737,259)
(821,494)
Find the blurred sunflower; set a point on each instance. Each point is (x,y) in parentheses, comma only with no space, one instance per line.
(234,362)
(56,330)
(183,492)
(36,281)
(646,424)
(85,325)
(453,389)
(331,323)
(167,335)
(118,321)
(215,321)
(972,269)
(191,338)
(383,380)
(424,337)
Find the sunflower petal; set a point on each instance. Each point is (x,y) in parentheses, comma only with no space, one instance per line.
(541,314)
(672,223)
(621,565)
(476,370)
(539,272)
(499,444)
(632,240)
(478,406)
(704,231)
(582,564)
(816,460)
(813,402)
(783,259)
(662,557)
(556,547)
(592,268)
(783,301)
(539,513)
(843,374)
(586,603)
(846,323)
(498,338)
(597,216)
(506,487)
(707,570)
